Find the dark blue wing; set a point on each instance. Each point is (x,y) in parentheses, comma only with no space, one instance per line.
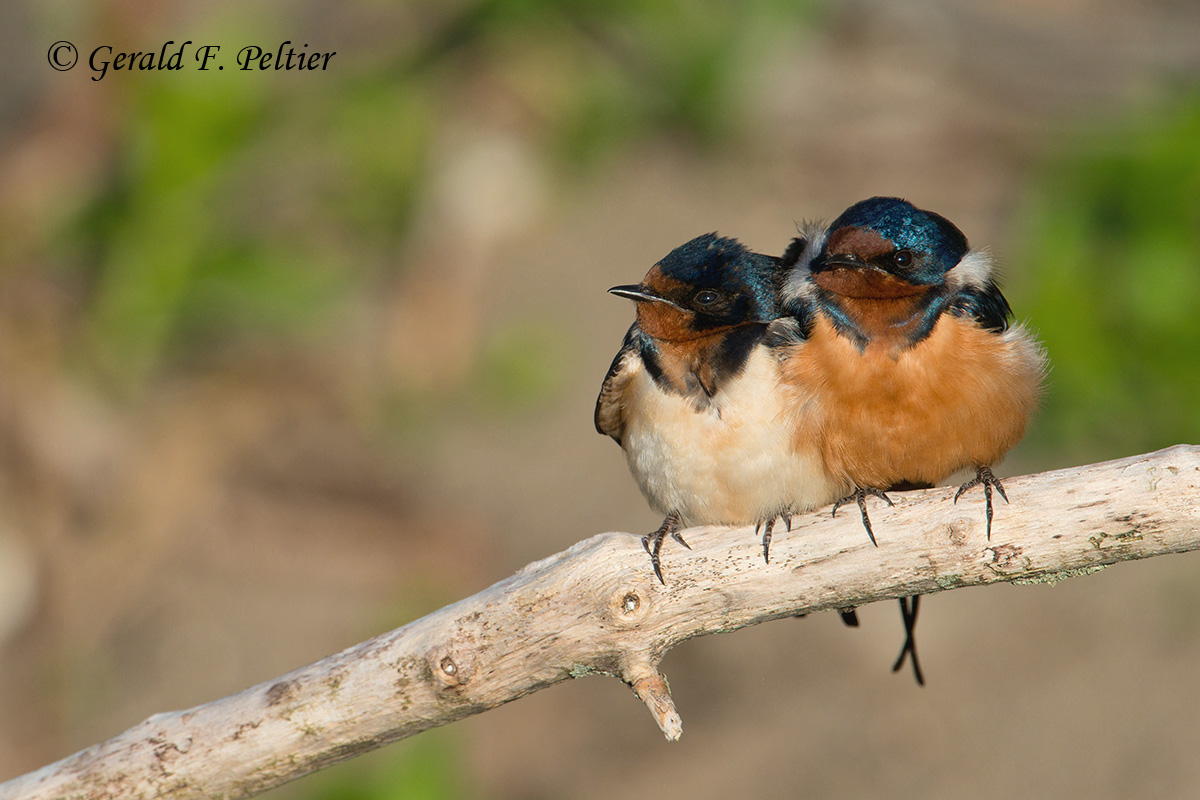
(986,306)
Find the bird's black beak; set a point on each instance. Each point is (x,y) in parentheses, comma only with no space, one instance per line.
(839,261)
(640,294)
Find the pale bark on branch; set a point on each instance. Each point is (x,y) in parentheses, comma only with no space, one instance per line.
(596,608)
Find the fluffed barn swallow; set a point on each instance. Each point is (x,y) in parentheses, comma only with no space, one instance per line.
(693,396)
(908,340)
(904,337)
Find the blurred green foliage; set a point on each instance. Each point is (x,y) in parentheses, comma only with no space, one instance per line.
(609,71)
(228,215)
(1113,263)
(520,367)
(239,208)
(425,767)
(519,370)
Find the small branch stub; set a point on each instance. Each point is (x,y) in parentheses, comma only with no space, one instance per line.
(652,688)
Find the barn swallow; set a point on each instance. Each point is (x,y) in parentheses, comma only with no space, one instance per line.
(692,396)
(905,336)
(918,369)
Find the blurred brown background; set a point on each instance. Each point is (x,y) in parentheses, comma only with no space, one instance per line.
(290,358)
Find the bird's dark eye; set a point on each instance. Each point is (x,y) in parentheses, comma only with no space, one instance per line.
(903,258)
(706,297)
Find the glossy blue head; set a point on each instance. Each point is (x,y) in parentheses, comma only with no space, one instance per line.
(707,284)
(893,236)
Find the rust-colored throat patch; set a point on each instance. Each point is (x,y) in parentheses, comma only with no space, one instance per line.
(866,284)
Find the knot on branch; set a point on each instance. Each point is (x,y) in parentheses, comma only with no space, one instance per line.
(451,670)
(629,606)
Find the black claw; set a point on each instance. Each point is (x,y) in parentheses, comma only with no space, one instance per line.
(987,496)
(787,520)
(909,614)
(860,496)
(767,528)
(653,550)
(653,543)
(862,507)
(849,617)
(881,495)
(984,477)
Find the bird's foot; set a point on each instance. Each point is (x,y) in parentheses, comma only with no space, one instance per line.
(860,496)
(908,611)
(984,477)
(653,542)
(766,526)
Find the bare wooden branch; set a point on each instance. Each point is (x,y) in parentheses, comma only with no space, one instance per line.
(597,609)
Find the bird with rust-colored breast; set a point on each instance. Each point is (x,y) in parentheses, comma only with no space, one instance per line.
(693,396)
(904,366)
